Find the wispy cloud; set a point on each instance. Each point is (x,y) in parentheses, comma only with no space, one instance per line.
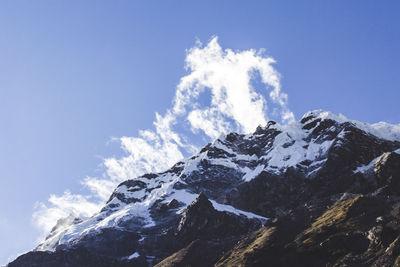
(221,76)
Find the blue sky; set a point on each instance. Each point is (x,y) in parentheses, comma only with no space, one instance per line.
(74,74)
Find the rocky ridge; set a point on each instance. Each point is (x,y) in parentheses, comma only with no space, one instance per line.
(290,194)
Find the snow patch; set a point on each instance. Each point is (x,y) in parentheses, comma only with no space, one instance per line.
(182,196)
(251,174)
(365,168)
(223,147)
(133,256)
(230,209)
(290,148)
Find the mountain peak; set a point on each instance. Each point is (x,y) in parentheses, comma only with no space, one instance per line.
(381,129)
(323,115)
(236,183)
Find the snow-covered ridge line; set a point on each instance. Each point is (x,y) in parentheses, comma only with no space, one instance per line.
(381,129)
(272,149)
(290,148)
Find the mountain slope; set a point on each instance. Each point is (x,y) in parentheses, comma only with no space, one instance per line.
(289,174)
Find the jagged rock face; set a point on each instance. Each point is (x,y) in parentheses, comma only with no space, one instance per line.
(201,221)
(354,230)
(269,194)
(387,171)
(290,174)
(349,233)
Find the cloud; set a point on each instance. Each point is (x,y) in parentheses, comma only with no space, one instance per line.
(46,216)
(227,76)
(214,98)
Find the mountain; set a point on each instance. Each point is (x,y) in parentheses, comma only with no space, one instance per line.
(324,191)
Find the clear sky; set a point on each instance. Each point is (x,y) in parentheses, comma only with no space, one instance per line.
(74,74)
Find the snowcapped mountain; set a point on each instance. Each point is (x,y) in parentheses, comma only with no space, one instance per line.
(220,195)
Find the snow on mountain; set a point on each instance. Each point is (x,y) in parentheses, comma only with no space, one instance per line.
(381,130)
(220,166)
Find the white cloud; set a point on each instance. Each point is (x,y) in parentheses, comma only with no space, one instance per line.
(46,216)
(100,188)
(225,76)
(210,121)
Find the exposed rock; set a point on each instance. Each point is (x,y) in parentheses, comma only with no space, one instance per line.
(387,171)
(201,221)
(198,253)
(328,204)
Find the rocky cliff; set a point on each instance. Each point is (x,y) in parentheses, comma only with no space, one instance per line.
(324,191)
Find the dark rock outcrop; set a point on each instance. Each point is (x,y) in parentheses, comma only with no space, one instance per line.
(355,230)
(201,221)
(387,171)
